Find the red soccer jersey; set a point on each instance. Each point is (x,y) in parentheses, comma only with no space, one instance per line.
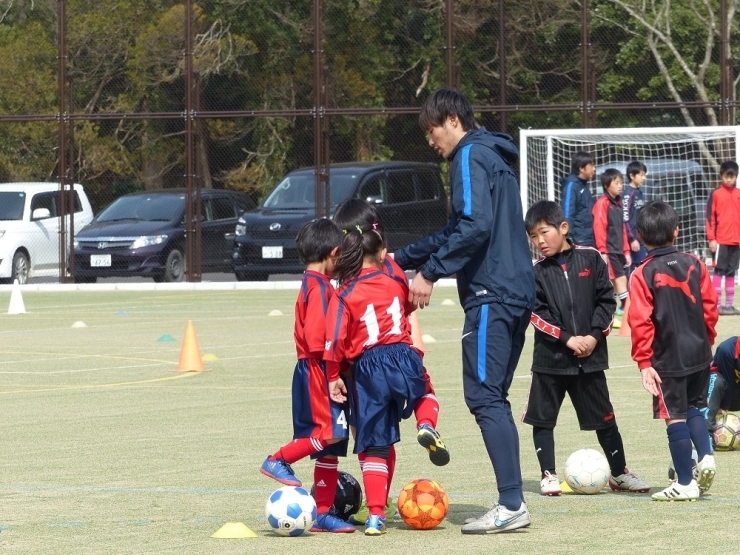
(365,312)
(310,314)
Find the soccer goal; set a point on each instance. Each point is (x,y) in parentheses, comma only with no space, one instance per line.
(682,166)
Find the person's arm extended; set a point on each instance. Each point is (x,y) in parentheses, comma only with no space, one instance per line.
(417,254)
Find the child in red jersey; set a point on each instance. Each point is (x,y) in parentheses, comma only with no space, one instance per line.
(367,324)
(723,234)
(672,320)
(610,235)
(354,212)
(319,423)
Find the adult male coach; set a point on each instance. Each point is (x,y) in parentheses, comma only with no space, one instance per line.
(485,244)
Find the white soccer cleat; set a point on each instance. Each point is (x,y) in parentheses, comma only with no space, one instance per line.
(550,485)
(677,492)
(628,482)
(499,519)
(705,471)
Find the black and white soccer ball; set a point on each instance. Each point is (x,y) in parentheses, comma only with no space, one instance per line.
(672,470)
(348,499)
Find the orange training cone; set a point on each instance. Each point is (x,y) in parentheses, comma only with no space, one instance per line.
(190,360)
(625,329)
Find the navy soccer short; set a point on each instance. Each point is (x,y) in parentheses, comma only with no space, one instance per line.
(727,259)
(677,394)
(388,381)
(588,392)
(314,413)
(616,263)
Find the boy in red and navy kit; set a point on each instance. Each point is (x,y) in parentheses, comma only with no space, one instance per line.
(723,234)
(672,319)
(610,235)
(319,424)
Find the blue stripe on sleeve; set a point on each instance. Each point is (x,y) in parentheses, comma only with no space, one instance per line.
(567,199)
(467,192)
(482,336)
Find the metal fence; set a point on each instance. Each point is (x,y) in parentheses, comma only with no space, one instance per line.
(230,95)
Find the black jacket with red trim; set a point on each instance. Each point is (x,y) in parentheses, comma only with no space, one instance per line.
(610,233)
(672,314)
(575,300)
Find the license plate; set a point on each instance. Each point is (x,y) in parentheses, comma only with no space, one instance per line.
(272,252)
(99,260)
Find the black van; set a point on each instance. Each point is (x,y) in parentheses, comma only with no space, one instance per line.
(409,196)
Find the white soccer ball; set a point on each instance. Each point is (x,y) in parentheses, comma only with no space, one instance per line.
(290,511)
(587,471)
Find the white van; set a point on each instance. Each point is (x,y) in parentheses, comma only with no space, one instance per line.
(29,229)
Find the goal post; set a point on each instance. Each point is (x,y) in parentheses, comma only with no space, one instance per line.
(682,166)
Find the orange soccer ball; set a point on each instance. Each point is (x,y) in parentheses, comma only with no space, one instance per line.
(423,504)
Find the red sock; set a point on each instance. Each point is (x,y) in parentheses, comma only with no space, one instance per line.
(375,479)
(391,470)
(325,475)
(299,449)
(427,410)
(361,458)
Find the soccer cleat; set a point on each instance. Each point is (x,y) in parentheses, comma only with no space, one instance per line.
(722,311)
(499,519)
(616,323)
(628,482)
(677,492)
(326,522)
(705,472)
(279,470)
(429,438)
(375,525)
(550,485)
(620,312)
(731,311)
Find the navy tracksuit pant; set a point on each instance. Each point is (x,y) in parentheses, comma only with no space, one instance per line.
(492,341)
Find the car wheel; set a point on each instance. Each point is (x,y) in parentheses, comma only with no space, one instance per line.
(251,276)
(20,268)
(174,269)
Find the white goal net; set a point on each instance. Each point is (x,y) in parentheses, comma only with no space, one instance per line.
(682,166)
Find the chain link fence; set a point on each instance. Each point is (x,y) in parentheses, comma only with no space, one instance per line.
(200,109)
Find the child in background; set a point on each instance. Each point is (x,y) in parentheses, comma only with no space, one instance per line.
(723,234)
(367,325)
(572,317)
(576,198)
(723,389)
(319,423)
(632,201)
(610,236)
(672,319)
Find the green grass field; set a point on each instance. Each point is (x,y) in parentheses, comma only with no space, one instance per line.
(106,450)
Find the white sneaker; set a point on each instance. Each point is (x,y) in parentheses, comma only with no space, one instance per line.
(705,471)
(628,482)
(677,492)
(499,519)
(550,485)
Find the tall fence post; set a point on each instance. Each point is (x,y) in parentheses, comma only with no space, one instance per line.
(63,120)
(192,225)
(319,113)
(725,79)
(585,65)
(502,62)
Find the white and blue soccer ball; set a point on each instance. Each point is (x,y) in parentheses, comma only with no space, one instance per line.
(586,471)
(290,511)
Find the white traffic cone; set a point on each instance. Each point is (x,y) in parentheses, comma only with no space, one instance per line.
(16,305)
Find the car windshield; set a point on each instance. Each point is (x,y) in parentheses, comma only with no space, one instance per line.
(299,190)
(11,205)
(148,208)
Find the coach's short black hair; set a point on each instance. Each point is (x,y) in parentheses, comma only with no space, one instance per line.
(443,103)
(581,159)
(544,211)
(656,222)
(728,167)
(609,175)
(635,167)
(317,239)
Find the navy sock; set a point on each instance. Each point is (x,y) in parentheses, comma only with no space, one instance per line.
(698,431)
(544,447)
(611,442)
(679,443)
